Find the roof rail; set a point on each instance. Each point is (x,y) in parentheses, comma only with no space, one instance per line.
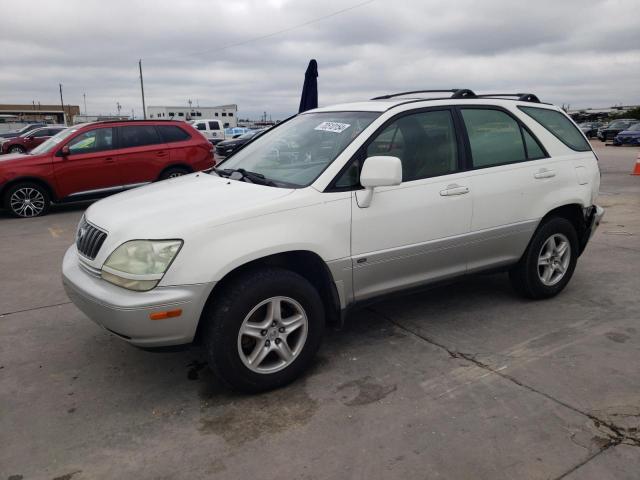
(401,94)
(463,93)
(522,97)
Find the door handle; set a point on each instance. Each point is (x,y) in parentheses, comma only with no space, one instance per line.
(544,173)
(109,160)
(454,189)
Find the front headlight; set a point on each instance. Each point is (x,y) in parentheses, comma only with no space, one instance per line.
(140,264)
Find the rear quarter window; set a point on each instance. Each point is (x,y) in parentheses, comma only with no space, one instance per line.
(560,126)
(171,133)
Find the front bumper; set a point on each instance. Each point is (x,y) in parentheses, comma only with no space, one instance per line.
(618,140)
(126,313)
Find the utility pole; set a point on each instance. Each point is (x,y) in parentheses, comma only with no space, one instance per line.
(119,107)
(144,108)
(84,98)
(64,118)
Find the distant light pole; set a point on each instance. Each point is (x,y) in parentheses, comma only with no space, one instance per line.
(144,108)
(64,118)
(119,107)
(84,99)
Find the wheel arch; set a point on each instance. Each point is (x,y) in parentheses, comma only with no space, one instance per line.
(36,180)
(179,165)
(574,213)
(305,263)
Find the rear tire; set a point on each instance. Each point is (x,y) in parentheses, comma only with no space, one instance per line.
(27,200)
(173,172)
(263,329)
(549,261)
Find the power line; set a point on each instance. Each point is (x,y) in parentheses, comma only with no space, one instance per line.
(278,32)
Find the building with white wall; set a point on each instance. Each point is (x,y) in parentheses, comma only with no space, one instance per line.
(227,114)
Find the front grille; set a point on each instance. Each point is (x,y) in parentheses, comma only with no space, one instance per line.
(89,239)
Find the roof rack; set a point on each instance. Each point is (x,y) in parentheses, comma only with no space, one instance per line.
(461,93)
(402,94)
(522,97)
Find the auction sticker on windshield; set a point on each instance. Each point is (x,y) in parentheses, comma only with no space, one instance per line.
(334,127)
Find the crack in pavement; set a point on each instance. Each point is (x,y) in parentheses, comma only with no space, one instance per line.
(615,434)
(33,308)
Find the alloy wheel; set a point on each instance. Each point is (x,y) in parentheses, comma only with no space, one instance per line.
(272,335)
(27,202)
(554,259)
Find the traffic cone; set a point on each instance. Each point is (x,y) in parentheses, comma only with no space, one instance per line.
(636,169)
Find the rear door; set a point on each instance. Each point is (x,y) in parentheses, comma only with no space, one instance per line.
(215,129)
(142,155)
(510,173)
(90,167)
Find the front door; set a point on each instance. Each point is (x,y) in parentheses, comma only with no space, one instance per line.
(90,167)
(414,232)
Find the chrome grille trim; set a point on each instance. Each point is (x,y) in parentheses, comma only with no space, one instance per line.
(89,239)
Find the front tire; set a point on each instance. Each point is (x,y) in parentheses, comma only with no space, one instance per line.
(549,261)
(27,200)
(263,329)
(17,149)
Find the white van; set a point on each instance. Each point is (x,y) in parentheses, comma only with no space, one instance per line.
(210,128)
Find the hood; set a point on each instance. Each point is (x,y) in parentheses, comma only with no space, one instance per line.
(168,209)
(630,133)
(229,143)
(9,158)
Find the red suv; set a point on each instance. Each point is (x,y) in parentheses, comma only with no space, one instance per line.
(28,141)
(96,159)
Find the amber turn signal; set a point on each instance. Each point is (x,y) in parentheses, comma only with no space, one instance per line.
(165,314)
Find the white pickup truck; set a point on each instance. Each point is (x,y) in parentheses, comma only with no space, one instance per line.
(211,128)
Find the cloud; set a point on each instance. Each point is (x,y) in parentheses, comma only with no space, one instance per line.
(577,52)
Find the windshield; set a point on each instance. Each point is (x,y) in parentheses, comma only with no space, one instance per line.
(635,127)
(53,141)
(297,152)
(618,124)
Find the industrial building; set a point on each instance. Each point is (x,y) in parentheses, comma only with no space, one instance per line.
(226,113)
(36,112)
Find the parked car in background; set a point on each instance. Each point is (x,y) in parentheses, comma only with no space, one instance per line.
(211,128)
(590,129)
(372,198)
(630,136)
(27,128)
(30,140)
(227,147)
(614,128)
(96,159)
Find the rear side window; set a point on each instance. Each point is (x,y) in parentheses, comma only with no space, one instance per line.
(138,136)
(201,126)
(560,126)
(494,137)
(534,150)
(171,133)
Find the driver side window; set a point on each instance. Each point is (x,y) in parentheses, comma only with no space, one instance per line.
(92,141)
(424,142)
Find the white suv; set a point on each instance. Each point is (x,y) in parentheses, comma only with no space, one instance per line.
(330,209)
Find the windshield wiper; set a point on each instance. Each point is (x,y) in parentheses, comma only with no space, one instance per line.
(242,174)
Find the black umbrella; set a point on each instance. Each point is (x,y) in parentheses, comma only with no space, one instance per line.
(309,98)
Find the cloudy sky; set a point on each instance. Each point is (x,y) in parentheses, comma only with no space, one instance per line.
(584,53)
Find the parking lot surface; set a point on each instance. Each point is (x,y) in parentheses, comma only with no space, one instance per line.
(462,381)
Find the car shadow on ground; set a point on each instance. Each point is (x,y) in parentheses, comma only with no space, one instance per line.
(55,208)
(185,368)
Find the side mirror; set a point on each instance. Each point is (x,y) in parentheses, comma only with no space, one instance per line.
(379,171)
(65,151)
